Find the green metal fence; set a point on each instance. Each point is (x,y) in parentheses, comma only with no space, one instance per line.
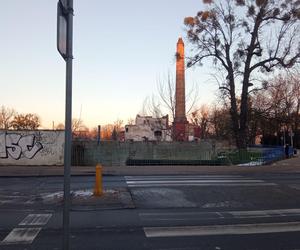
(118,153)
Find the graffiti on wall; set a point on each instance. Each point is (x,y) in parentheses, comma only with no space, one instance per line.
(16,146)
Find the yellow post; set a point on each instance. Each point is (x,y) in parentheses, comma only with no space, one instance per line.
(98,189)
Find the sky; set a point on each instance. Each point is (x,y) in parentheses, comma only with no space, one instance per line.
(121,49)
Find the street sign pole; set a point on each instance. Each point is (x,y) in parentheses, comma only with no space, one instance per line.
(68,126)
(65,48)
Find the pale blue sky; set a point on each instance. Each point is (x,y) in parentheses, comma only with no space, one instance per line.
(121,48)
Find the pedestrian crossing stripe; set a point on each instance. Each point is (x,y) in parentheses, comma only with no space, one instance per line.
(204,215)
(24,234)
(236,229)
(35,220)
(197,180)
(21,236)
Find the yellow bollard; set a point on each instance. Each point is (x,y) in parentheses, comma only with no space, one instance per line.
(98,189)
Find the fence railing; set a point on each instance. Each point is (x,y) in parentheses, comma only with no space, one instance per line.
(146,162)
(262,155)
(253,156)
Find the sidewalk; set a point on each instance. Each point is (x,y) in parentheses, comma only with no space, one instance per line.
(285,166)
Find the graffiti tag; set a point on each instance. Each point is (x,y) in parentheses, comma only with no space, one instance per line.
(16,145)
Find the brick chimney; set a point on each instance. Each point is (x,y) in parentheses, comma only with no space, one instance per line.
(180,125)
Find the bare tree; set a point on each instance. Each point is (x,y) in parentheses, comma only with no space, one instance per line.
(77,125)
(60,126)
(106,131)
(166,93)
(164,102)
(277,107)
(151,107)
(26,122)
(6,117)
(244,39)
(118,125)
(220,123)
(130,121)
(295,80)
(93,133)
(201,118)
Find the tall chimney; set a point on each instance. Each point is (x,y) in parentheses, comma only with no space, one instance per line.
(180,83)
(180,124)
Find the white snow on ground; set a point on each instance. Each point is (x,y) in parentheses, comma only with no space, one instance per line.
(82,193)
(251,163)
(52,196)
(86,193)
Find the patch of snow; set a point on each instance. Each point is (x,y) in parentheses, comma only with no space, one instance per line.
(251,163)
(52,196)
(110,191)
(86,193)
(82,193)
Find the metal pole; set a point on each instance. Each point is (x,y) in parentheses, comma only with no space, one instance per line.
(98,135)
(68,128)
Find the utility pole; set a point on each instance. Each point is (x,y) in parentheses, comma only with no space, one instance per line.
(99,135)
(65,14)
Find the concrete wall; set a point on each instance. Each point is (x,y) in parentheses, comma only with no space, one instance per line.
(111,153)
(39,147)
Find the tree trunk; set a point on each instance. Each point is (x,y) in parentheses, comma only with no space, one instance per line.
(243,130)
(242,139)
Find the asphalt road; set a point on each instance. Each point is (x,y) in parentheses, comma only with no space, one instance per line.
(170,212)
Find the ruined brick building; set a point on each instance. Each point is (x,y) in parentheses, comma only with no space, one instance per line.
(148,128)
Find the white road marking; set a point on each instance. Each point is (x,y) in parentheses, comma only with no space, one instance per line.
(176,216)
(204,184)
(184,231)
(139,177)
(196,180)
(35,220)
(220,215)
(26,235)
(193,181)
(271,213)
(246,214)
(21,236)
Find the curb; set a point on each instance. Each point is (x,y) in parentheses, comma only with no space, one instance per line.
(285,166)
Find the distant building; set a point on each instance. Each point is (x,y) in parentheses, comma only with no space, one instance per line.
(148,128)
